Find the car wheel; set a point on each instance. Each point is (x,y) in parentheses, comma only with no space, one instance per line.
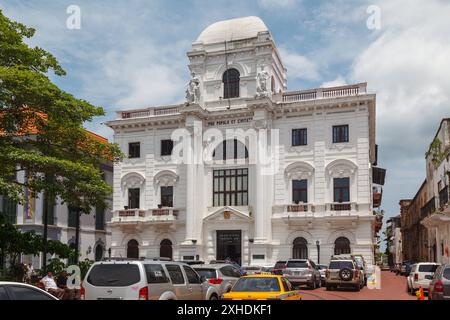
(328,288)
(357,288)
(346,274)
(412,291)
(213,297)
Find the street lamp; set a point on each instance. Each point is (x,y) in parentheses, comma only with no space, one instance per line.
(318,251)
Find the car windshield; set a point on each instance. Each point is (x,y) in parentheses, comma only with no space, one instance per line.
(427,267)
(114,275)
(207,273)
(280,264)
(341,265)
(297,264)
(256,285)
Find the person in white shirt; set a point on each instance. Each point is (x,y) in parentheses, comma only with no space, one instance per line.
(50,286)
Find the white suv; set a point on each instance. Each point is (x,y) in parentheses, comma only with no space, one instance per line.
(145,280)
(420,276)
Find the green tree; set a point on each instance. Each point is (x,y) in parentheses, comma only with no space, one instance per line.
(41,129)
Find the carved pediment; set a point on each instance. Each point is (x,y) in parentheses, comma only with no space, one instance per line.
(228,214)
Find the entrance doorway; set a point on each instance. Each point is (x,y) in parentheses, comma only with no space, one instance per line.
(229,245)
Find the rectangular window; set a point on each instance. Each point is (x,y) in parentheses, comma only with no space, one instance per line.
(300,191)
(99,218)
(167,196)
(299,137)
(230,187)
(72,218)
(341,190)
(8,208)
(166,147)
(134,150)
(133,198)
(50,210)
(340,134)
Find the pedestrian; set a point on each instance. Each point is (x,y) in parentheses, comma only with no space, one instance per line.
(61,281)
(50,286)
(29,273)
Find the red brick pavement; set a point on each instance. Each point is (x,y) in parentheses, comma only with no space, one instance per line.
(392,288)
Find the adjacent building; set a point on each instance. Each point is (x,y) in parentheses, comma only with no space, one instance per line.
(245,169)
(394,240)
(437,220)
(425,219)
(94,238)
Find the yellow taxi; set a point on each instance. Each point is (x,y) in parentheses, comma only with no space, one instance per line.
(262,287)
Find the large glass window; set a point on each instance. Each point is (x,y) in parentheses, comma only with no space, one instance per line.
(300,191)
(341,190)
(230,187)
(133,198)
(230,81)
(230,149)
(167,196)
(299,137)
(340,134)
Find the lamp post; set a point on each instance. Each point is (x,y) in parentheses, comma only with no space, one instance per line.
(318,251)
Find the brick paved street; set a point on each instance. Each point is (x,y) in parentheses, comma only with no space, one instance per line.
(392,288)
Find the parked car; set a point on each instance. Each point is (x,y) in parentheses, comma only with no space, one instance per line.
(22,291)
(250,270)
(420,276)
(279,267)
(222,276)
(303,272)
(322,270)
(343,273)
(405,268)
(145,280)
(439,288)
(360,263)
(263,287)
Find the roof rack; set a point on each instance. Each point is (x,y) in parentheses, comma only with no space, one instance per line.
(134,259)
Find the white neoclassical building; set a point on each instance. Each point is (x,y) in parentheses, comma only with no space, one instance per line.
(245,169)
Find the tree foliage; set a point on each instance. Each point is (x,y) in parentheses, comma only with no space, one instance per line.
(41,128)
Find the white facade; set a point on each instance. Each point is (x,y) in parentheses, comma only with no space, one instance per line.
(438,178)
(269,222)
(29,216)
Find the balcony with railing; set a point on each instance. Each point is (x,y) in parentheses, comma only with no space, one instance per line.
(325,93)
(341,208)
(428,208)
(149,112)
(133,216)
(292,211)
(443,198)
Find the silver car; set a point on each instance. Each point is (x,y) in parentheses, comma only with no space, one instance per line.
(145,280)
(223,276)
(439,288)
(303,272)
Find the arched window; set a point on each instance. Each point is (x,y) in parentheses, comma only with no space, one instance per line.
(230,81)
(342,246)
(300,248)
(133,249)
(230,149)
(165,249)
(98,252)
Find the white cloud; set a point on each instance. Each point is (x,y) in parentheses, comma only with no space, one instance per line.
(298,66)
(339,81)
(409,69)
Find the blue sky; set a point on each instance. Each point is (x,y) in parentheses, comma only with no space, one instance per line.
(131,54)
